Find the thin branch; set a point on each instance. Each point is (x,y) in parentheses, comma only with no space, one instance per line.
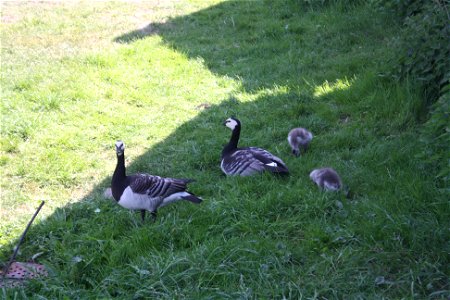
(22,237)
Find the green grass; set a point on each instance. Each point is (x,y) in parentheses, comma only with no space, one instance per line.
(77,77)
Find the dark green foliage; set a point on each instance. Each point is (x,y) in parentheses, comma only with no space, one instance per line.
(436,137)
(407,8)
(423,44)
(423,56)
(426,41)
(315,4)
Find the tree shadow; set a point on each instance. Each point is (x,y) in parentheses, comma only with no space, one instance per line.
(234,40)
(69,236)
(137,34)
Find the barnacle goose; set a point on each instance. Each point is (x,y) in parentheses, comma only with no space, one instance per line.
(250,160)
(146,192)
(299,137)
(326,178)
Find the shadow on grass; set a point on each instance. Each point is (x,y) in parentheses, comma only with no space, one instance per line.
(137,34)
(89,243)
(84,242)
(263,44)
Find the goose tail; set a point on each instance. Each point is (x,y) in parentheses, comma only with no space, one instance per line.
(187,180)
(192,198)
(277,168)
(282,170)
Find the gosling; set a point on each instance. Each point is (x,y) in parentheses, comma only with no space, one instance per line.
(299,138)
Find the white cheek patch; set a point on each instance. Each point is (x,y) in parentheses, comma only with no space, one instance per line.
(231,124)
(272,164)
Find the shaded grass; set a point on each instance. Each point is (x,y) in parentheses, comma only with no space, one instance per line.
(275,66)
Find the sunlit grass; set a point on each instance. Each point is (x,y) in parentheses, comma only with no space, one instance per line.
(327,88)
(74,106)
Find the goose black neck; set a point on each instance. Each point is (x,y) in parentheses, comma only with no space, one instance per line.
(232,144)
(118,182)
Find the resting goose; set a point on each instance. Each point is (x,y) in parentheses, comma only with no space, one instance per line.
(299,137)
(326,178)
(250,160)
(146,192)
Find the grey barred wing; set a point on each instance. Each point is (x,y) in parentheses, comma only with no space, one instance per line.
(142,183)
(269,161)
(265,155)
(175,185)
(155,186)
(251,160)
(241,162)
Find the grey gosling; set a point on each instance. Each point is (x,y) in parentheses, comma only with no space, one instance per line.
(299,138)
(326,178)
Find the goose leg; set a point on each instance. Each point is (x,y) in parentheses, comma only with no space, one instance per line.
(153,213)
(143,215)
(348,193)
(305,147)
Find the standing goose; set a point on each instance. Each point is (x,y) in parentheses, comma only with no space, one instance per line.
(146,192)
(326,178)
(250,160)
(299,137)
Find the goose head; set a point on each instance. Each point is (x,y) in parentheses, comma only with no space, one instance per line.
(232,123)
(120,148)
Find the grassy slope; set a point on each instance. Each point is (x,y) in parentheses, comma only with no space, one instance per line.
(275,66)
